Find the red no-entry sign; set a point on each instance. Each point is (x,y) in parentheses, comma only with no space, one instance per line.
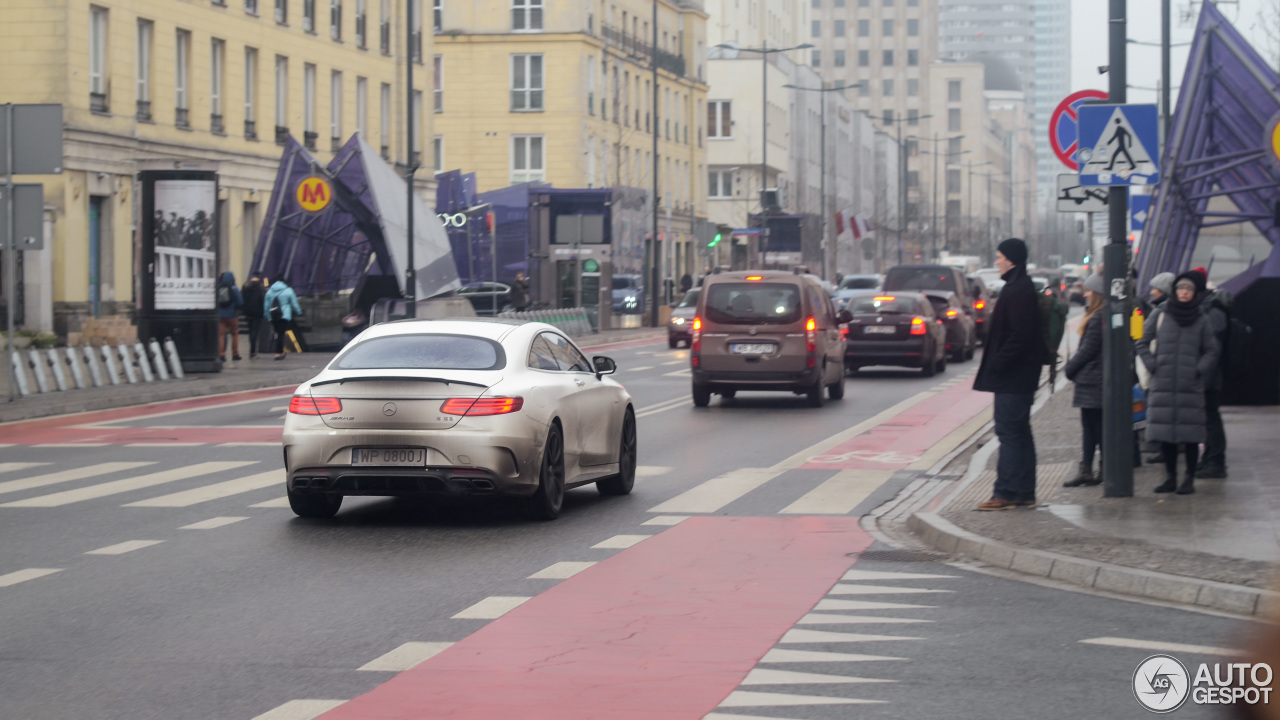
(1064,131)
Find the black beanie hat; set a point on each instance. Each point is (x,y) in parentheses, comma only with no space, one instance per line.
(1014,250)
(1194,276)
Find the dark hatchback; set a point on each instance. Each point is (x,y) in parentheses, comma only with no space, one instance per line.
(962,333)
(899,329)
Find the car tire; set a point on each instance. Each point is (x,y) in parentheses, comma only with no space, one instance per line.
(973,348)
(549,497)
(942,363)
(622,483)
(307,504)
(673,343)
(929,366)
(957,356)
(835,391)
(814,393)
(701,396)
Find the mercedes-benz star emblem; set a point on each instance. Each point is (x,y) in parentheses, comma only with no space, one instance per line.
(389,409)
(752,331)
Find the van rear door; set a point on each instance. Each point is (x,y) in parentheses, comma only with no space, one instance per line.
(753,326)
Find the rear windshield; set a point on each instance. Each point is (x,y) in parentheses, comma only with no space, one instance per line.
(690,299)
(919,279)
(423,352)
(859,283)
(872,305)
(753,303)
(622,282)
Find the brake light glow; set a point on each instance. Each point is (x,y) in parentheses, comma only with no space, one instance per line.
(952,313)
(695,341)
(305,405)
(755,277)
(979,304)
(884,298)
(917,326)
(811,339)
(482,406)
(810,325)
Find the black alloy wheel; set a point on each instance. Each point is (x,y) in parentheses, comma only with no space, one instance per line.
(308,504)
(622,483)
(549,498)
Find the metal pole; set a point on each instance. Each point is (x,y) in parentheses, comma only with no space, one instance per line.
(968,211)
(934,249)
(822,184)
(410,279)
(902,190)
(764,150)
(1165,40)
(988,228)
(1117,372)
(651,257)
(11,252)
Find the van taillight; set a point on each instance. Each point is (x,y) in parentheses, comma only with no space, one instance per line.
(303,405)
(695,341)
(917,326)
(952,313)
(811,339)
(979,304)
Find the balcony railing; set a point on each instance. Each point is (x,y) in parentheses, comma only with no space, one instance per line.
(309,139)
(181,117)
(215,124)
(250,130)
(98,102)
(635,47)
(282,134)
(144,110)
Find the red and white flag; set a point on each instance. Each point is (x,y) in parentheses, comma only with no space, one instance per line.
(839,222)
(860,226)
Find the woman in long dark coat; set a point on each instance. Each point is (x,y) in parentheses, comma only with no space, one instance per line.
(1085,370)
(1184,354)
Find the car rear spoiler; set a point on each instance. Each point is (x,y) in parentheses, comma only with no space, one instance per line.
(398,378)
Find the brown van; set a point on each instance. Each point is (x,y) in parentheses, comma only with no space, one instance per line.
(767,330)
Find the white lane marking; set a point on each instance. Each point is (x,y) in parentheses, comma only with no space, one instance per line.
(679,373)
(248,444)
(666,520)
(663,406)
(731,716)
(16,577)
(216,491)
(675,362)
(212,523)
(824,636)
(279,408)
(124,547)
(561,570)
(843,589)
(878,575)
(651,470)
(280,502)
(824,619)
(165,413)
(163,444)
(859,605)
(621,541)
(764,676)
(300,710)
(491,607)
(779,655)
(839,494)
(717,492)
(406,657)
(115,487)
(68,475)
(1158,646)
(10,467)
(70,445)
(638,369)
(746,698)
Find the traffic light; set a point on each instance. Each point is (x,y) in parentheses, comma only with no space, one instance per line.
(722,232)
(715,241)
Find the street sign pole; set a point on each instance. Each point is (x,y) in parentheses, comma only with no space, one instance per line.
(10,245)
(1117,347)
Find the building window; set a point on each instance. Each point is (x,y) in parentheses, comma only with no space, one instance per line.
(362,24)
(953,91)
(913,117)
(815,58)
(142,69)
(888,116)
(384,120)
(955,146)
(282,11)
(526,15)
(335,109)
(251,7)
(887,87)
(953,119)
(815,28)
(250,92)
(913,146)
(953,209)
(416,145)
(309,134)
(309,15)
(720,184)
(888,58)
(591,84)
(335,19)
(864,3)
(720,119)
(216,63)
(838,30)
(913,178)
(437,153)
(838,3)
(864,89)
(98,59)
(838,59)
(384,27)
(817,4)
(864,58)
(437,72)
(913,28)
(362,106)
(437,15)
(913,58)
(953,180)
(282,99)
(864,28)
(417,31)
(526,83)
(913,87)
(888,28)
(526,159)
(181,68)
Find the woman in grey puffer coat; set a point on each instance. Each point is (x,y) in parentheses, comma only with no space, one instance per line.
(1085,370)
(1185,354)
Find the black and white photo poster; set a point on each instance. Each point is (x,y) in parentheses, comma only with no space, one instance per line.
(185,254)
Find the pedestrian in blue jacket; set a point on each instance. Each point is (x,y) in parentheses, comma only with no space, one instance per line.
(281,305)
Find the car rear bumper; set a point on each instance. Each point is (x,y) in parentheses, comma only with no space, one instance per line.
(403,482)
(765,380)
(906,353)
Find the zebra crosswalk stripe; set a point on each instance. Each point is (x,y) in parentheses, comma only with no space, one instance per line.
(115,487)
(62,476)
(216,491)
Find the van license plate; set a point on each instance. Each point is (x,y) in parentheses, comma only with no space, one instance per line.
(389,456)
(752,348)
(879,329)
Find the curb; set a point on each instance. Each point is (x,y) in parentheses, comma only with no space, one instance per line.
(1238,599)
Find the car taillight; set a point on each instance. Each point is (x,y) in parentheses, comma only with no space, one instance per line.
(811,339)
(844,332)
(695,341)
(303,405)
(917,326)
(482,406)
(979,304)
(952,313)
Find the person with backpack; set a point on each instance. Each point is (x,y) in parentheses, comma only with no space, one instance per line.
(1085,370)
(281,306)
(1180,352)
(229,303)
(253,292)
(1010,368)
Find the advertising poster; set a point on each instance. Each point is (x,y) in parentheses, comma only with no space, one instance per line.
(185,250)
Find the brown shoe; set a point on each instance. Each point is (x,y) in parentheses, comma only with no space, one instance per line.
(996,503)
(1025,503)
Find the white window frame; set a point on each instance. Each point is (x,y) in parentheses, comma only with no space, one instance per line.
(721,188)
(335,104)
(142,63)
(437,80)
(437,15)
(532,172)
(217,68)
(282,91)
(714,129)
(309,15)
(526,15)
(250,83)
(282,11)
(335,19)
(309,98)
(181,69)
(98,39)
(530,97)
(362,106)
(362,24)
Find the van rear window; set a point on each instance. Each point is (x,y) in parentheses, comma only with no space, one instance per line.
(753,303)
(919,279)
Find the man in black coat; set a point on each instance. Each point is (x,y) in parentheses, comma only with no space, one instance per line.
(1010,368)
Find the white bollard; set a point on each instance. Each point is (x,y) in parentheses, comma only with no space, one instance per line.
(95,367)
(141,353)
(37,369)
(171,352)
(19,372)
(157,358)
(126,362)
(77,372)
(109,363)
(59,375)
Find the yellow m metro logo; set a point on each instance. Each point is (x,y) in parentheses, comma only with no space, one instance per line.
(314,194)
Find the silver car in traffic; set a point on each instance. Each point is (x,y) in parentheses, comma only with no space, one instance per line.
(423,408)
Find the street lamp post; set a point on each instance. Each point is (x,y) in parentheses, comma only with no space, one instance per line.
(968,213)
(764,121)
(410,276)
(934,223)
(827,264)
(902,177)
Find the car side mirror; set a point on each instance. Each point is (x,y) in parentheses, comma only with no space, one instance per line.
(604,365)
(843,317)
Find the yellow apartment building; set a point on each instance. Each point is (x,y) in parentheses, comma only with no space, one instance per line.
(211,84)
(562,93)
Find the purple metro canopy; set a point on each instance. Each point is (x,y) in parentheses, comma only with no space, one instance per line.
(361,232)
(1219,145)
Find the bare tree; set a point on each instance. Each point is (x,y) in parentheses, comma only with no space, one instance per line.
(1267,26)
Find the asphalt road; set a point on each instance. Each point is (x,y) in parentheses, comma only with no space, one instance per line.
(181,595)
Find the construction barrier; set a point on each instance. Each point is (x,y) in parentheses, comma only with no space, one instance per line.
(574,322)
(53,371)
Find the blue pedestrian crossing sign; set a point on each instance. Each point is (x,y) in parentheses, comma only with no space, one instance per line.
(1119,145)
(1139,211)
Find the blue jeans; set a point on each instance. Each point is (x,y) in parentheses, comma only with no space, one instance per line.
(1016,467)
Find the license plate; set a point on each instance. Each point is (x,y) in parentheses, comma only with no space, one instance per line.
(389,456)
(752,348)
(879,330)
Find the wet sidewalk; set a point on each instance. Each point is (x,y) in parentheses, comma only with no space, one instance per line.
(236,376)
